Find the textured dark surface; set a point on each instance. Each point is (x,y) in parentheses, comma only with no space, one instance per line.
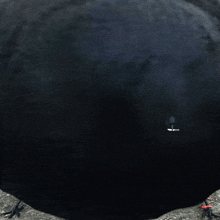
(47,177)
(85,93)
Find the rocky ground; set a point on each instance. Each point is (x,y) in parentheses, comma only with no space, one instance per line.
(196,212)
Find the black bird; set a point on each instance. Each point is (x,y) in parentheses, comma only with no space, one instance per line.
(14,211)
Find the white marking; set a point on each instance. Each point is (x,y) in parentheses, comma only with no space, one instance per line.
(170,129)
